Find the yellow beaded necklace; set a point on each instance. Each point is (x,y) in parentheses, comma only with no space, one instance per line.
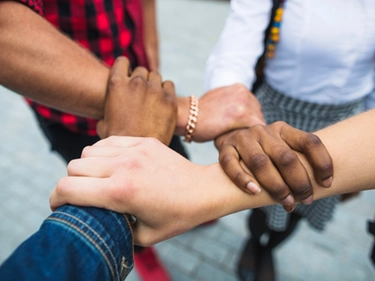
(271,39)
(274,36)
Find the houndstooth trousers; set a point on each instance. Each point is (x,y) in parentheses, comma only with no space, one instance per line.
(308,117)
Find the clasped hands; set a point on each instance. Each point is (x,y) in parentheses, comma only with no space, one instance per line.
(167,193)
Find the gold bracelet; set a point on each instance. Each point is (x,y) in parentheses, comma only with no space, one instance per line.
(193,117)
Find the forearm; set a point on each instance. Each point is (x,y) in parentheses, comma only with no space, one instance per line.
(74,244)
(183,108)
(39,62)
(151,40)
(231,63)
(351,146)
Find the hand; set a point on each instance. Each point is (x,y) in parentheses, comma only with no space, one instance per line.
(138,105)
(142,177)
(267,152)
(225,109)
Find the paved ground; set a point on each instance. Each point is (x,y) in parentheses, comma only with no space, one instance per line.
(28,172)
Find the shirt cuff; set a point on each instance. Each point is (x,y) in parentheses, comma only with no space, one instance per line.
(36,5)
(226,78)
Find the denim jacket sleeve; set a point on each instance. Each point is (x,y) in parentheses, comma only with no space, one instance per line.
(74,243)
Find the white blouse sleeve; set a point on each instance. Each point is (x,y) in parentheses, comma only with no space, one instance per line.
(240,45)
(370,101)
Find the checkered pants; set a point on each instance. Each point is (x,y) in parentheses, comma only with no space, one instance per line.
(308,117)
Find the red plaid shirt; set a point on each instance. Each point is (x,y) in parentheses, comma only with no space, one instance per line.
(108,28)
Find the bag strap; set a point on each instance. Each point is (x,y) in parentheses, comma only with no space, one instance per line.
(259,66)
(371,227)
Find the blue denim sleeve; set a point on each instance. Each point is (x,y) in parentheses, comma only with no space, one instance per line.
(74,243)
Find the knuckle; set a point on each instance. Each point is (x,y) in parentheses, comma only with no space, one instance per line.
(303,190)
(240,88)
(279,191)
(62,185)
(111,140)
(241,111)
(258,129)
(155,73)
(327,169)
(116,79)
(86,151)
(168,83)
(138,81)
(278,123)
(258,162)
(122,59)
(156,92)
(312,140)
(71,167)
(240,179)
(129,163)
(287,158)
(225,161)
(121,192)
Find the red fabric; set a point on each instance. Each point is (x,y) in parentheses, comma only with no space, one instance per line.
(108,28)
(149,266)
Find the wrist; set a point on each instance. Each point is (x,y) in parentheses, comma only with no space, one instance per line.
(183,107)
(226,198)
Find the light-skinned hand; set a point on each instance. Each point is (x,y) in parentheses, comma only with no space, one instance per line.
(142,177)
(221,110)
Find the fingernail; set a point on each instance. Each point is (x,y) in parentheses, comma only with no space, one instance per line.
(328,182)
(253,188)
(290,209)
(307,201)
(289,200)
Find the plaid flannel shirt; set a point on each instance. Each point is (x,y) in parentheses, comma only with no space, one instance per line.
(108,28)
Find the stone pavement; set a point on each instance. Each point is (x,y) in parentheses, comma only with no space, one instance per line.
(189,29)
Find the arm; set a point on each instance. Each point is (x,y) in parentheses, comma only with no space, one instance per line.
(370,101)
(59,73)
(269,152)
(230,62)
(151,40)
(151,108)
(101,238)
(228,104)
(56,71)
(221,110)
(192,193)
(74,244)
(46,66)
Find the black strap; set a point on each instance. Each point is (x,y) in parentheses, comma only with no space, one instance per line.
(371,227)
(371,230)
(259,67)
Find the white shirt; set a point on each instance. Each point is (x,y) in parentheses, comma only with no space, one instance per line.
(326,53)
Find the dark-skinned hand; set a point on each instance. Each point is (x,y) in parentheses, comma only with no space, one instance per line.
(268,153)
(138,104)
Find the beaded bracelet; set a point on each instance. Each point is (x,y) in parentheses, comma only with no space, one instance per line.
(193,117)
